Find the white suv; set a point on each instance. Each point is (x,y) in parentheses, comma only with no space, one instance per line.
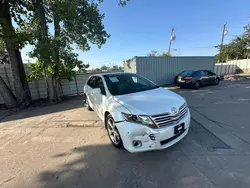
(138,114)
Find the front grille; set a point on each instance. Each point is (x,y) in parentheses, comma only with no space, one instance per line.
(166,119)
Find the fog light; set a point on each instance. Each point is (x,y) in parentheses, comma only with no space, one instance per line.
(152,136)
(137,143)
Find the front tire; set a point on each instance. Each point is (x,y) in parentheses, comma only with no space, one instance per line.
(113,132)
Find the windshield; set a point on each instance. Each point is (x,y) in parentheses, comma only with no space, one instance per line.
(186,73)
(120,84)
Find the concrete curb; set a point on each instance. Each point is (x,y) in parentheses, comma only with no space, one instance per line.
(226,136)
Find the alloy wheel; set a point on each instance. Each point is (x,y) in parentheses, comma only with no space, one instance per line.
(113,132)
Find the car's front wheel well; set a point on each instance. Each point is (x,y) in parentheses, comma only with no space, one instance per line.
(105,116)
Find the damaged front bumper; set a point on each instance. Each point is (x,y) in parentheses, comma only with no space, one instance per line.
(139,138)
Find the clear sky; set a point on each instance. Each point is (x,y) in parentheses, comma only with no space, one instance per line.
(145,25)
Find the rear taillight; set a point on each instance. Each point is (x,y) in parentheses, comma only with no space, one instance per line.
(187,78)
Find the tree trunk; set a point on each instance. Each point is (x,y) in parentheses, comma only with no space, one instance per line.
(55,52)
(55,89)
(19,78)
(46,78)
(43,41)
(8,96)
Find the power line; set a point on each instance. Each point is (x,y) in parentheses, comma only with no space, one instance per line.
(196,47)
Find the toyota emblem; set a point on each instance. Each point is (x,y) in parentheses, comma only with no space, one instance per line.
(174,110)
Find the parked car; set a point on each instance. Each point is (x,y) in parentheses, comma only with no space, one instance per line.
(196,78)
(138,114)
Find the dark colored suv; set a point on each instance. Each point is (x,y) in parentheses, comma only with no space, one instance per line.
(196,78)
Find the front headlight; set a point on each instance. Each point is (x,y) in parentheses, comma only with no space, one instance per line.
(141,119)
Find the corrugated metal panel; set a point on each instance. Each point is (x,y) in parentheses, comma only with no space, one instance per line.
(225,68)
(162,69)
(38,87)
(231,67)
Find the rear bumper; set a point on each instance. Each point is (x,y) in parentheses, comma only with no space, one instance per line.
(184,84)
(163,137)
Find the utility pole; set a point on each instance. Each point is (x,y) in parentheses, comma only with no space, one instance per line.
(172,37)
(224,32)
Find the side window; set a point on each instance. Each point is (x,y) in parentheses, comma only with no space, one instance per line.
(91,82)
(99,84)
(196,74)
(137,80)
(209,73)
(202,73)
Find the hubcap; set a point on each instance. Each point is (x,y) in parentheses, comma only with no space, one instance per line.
(112,131)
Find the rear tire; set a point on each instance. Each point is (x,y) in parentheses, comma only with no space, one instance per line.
(113,132)
(197,85)
(216,81)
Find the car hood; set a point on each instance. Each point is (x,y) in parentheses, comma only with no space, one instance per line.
(155,101)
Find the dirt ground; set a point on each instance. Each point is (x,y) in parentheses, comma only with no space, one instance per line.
(65,145)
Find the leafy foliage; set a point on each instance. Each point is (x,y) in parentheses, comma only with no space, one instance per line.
(154,53)
(78,23)
(75,25)
(3,53)
(106,68)
(166,54)
(37,71)
(65,71)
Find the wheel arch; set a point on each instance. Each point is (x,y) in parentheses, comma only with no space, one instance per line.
(105,117)
(115,109)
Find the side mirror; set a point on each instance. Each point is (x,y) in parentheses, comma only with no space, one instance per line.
(97,91)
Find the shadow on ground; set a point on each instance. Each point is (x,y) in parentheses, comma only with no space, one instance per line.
(104,166)
(67,104)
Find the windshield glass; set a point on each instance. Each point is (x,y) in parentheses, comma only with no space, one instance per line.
(120,84)
(186,73)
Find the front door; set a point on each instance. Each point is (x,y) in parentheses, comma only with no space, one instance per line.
(203,78)
(89,89)
(211,77)
(100,99)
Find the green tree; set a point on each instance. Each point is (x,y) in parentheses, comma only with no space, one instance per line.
(76,23)
(104,68)
(13,41)
(153,53)
(237,48)
(3,53)
(116,68)
(166,54)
